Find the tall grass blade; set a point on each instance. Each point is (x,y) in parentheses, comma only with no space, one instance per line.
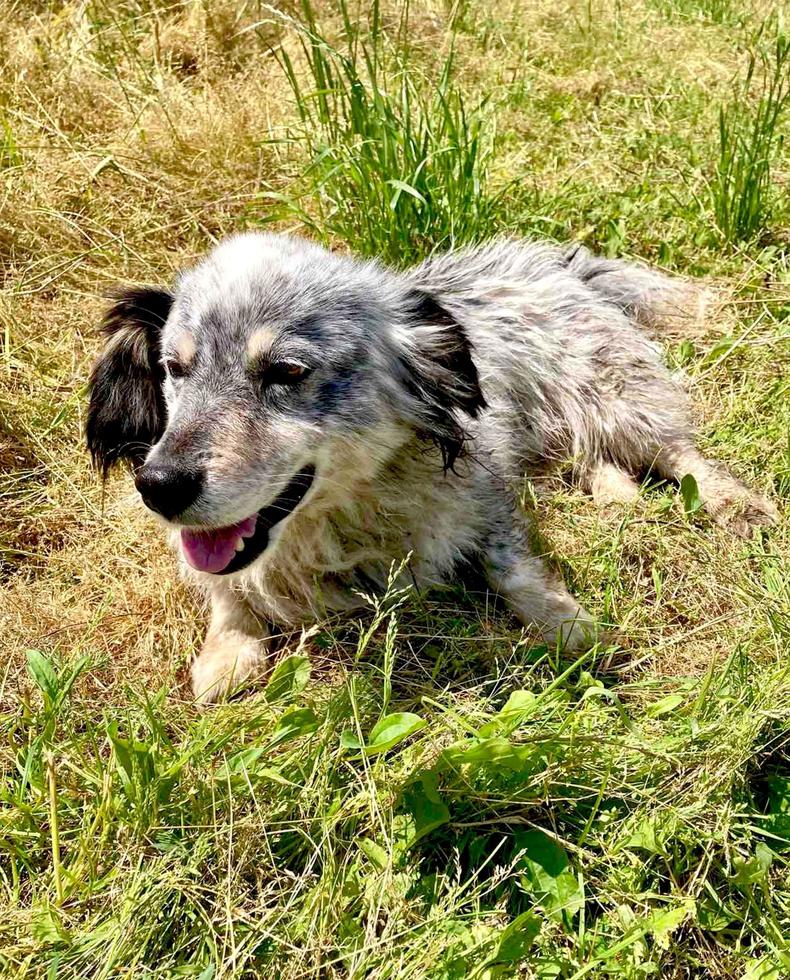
(750,140)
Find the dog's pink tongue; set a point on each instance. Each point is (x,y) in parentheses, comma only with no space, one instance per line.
(211,551)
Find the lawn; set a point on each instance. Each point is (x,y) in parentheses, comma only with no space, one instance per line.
(425,792)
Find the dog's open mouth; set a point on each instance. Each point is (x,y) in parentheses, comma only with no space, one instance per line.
(223,550)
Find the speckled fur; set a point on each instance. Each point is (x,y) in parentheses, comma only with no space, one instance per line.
(514,355)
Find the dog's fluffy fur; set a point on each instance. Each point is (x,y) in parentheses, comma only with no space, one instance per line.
(427,397)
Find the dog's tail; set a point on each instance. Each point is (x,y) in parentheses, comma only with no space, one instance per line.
(657,302)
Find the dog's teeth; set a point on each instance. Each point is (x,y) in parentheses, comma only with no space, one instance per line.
(239,546)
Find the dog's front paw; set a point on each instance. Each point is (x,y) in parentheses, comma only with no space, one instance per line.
(577,633)
(225,663)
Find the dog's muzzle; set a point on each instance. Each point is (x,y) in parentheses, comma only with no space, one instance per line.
(223,550)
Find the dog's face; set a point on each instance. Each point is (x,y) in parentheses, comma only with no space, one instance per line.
(273,366)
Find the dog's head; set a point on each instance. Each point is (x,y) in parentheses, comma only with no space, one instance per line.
(270,367)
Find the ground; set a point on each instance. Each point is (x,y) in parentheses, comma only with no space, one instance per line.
(426,792)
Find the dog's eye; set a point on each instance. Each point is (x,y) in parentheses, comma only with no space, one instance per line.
(175,369)
(286,372)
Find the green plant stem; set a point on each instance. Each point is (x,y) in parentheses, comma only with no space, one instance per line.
(54,828)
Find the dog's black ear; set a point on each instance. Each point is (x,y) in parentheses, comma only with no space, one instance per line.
(440,373)
(126,410)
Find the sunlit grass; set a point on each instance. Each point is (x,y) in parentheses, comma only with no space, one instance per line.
(425,792)
(398,158)
(751,141)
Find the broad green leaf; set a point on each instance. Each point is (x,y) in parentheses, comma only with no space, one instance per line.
(712,915)
(265,772)
(777,822)
(292,723)
(47,929)
(749,871)
(245,760)
(426,807)
(547,874)
(374,852)
(514,712)
(689,491)
(778,794)
(719,351)
(665,706)
(288,679)
(495,754)
(391,730)
(550,968)
(245,766)
(659,924)
(763,969)
(516,939)
(662,924)
(645,836)
(686,351)
(43,673)
(350,740)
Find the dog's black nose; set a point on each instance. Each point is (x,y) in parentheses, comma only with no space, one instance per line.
(168,490)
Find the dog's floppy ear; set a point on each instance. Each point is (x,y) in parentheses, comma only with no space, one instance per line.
(126,411)
(440,373)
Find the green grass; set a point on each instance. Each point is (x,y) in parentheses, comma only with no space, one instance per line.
(716,11)
(398,162)
(424,792)
(386,818)
(750,141)
(9,156)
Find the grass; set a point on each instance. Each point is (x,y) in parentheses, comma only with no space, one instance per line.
(717,11)
(425,792)
(748,136)
(398,163)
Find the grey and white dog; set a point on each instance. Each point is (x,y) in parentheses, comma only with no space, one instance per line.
(302,419)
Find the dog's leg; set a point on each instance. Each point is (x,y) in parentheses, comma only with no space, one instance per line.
(234,651)
(536,595)
(610,485)
(727,500)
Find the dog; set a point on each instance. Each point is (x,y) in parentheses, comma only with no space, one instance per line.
(300,419)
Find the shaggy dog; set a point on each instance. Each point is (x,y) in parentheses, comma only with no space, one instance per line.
(301,419)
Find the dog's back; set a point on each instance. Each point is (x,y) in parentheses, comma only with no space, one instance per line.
(562,342)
